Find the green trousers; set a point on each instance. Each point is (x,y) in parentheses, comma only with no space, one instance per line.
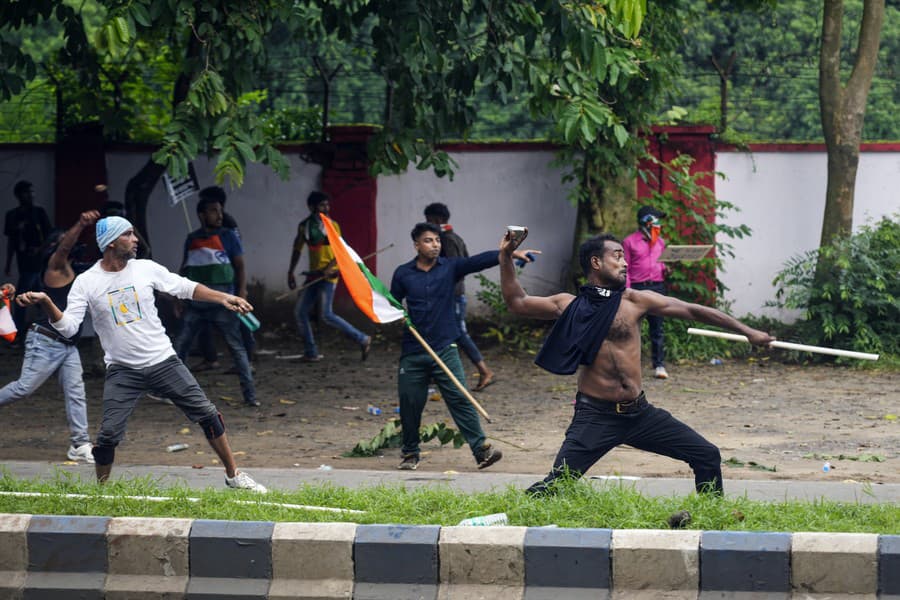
(416,370)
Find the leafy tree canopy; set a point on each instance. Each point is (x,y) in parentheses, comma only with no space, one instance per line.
(567,59)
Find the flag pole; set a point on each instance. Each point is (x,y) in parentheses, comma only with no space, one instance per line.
(450,374)
(280,297)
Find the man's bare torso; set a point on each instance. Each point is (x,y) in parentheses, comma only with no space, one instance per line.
(615,374)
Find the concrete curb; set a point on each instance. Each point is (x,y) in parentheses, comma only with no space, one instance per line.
(50,557)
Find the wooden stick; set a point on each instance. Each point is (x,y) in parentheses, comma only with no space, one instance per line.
(318,279)
(786,345)
(450,374)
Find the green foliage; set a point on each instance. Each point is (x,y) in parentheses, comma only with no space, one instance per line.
(773,86)
(855,301)
(391,436)
(680,345)
(578,504)
(292,124)
(689,209)
(514,334)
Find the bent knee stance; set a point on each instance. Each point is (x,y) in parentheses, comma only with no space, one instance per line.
(707,457)
(213,426)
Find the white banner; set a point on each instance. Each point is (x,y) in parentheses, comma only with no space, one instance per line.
(180,189)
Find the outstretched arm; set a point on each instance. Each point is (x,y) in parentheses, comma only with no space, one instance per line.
(59,271)
(31,298)
(667,306)
(520,303)
(229,301)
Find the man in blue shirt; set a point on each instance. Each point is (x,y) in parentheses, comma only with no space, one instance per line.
(214,257)
(427,283)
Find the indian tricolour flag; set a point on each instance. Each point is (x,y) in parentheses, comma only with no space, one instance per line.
(370,295)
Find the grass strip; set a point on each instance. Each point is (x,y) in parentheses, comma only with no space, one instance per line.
(577,504)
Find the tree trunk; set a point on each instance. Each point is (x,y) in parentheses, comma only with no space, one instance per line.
(843,109)
(137,195)
(139,187)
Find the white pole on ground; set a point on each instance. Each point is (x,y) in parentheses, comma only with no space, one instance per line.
(786,345)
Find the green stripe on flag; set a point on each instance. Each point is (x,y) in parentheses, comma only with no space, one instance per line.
(379,287)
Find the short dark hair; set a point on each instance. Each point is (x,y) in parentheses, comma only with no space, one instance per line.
(213,192)
(206,201)
(112,208)
(315,198)
(439,210)
(21,187)
(595,246)
(421,228)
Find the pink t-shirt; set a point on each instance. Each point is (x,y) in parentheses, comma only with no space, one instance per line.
(643,261)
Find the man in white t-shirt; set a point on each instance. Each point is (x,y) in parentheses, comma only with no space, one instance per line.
(118,291)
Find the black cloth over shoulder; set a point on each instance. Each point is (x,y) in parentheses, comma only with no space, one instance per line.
(577,335)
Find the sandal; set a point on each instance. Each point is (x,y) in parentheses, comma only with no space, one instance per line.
(483,382)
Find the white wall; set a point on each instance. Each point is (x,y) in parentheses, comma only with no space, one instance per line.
(266,208)
(32,164)
(782,198)
(489,191)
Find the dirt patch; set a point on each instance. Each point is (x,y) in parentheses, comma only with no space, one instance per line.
(778,421)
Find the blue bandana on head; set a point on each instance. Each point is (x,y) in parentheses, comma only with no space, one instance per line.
(109,229)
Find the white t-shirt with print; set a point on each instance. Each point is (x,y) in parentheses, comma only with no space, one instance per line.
(123,311)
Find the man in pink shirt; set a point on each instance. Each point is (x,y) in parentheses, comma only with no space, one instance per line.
(645,272)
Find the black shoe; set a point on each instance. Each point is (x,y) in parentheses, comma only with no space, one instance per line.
(486,456)
(410,462)
(252,403)
(540,488)
(679,519)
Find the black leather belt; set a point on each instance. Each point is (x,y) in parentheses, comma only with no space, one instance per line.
(619,408)
(52,334)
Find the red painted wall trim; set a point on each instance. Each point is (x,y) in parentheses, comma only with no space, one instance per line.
(806,147)
(498,146)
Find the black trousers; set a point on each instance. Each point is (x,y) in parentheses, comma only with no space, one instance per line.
(597,428)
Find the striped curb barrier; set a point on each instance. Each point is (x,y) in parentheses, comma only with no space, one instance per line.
(56,557)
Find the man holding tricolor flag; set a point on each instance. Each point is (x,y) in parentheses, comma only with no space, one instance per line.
(429,343)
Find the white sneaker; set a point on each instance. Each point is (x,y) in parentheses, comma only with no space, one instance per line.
(661,373)
(243,481)
(81,454)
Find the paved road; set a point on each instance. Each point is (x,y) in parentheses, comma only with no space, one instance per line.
(288,479)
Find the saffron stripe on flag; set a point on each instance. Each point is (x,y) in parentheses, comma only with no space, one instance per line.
(369,294)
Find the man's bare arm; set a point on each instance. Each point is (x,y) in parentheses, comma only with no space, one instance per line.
(30,298)
(59,271)
(299,242)
(240,275)
(666,306)
(520,303)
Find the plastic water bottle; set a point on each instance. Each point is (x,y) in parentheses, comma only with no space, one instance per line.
(176,447)
(826,467)
(249,321)
(716,362)
(373,410)
(486,520)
